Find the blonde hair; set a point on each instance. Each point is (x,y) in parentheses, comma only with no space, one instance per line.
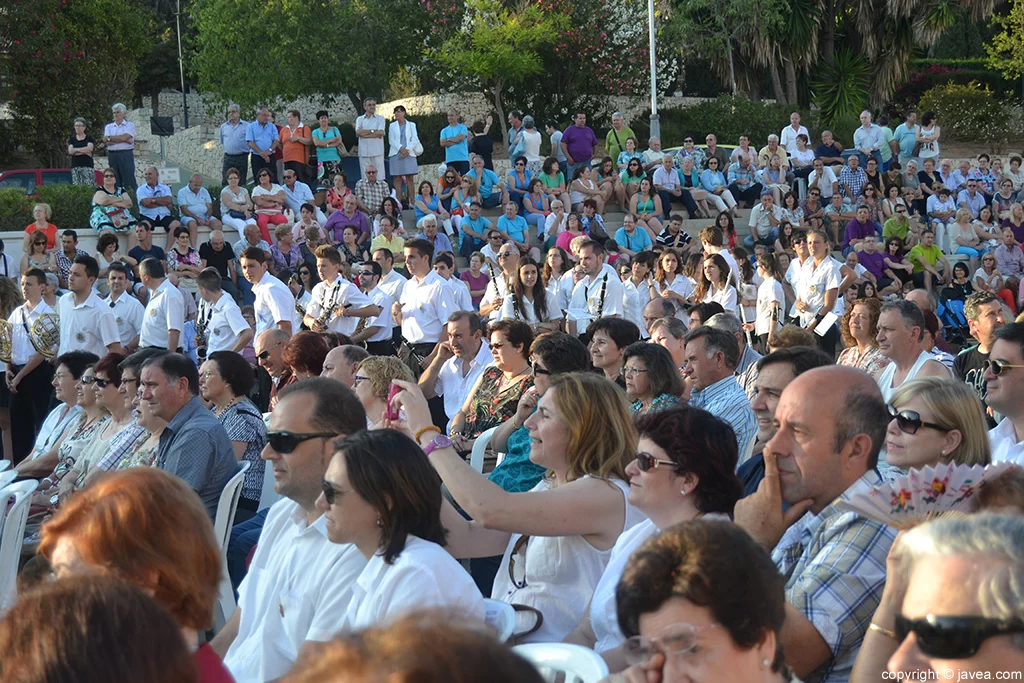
(381,370)
(602,440)
(954,406)
(282,231)
(46,207)
(964,213)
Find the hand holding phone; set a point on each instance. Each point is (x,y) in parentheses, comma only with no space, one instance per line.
(392,411)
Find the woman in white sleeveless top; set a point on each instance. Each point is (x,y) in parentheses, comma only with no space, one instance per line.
(557,538)
(685,468)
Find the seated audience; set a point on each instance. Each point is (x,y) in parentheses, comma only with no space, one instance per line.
(372,380)
(652,378)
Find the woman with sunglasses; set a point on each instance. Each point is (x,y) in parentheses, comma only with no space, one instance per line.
(381,495)
(371,382)
(684,470)
(702,602)
(111,209)
(518,181)
(632,174)
(465,194)
(936,421)
(988,278)
(556,538)
(268,198)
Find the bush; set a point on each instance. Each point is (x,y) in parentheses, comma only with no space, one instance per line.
(71,204)
(15,209)
(928,75)
(971,113)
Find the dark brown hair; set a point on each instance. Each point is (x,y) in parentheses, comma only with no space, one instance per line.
(305,351)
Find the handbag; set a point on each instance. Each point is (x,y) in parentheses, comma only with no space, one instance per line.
(235,213)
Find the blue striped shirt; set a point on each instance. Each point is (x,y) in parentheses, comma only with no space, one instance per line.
(726,399)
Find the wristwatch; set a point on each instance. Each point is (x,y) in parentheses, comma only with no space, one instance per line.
(439,441)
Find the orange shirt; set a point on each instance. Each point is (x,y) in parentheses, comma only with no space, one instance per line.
(295,151)
(50,231)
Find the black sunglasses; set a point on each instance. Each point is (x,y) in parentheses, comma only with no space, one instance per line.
(951,637)
(101,383)
(265,354)
(329,493)
(909,421)
(538,370)
(286,442)
(646,462)
(996,367)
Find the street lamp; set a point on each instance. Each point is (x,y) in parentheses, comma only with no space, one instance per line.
(181,69)
(655,123)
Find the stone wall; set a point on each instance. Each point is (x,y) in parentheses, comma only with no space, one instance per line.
(199,112)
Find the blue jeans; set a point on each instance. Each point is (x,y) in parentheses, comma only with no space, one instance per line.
(469,245)
(768,241)
(492,201)
(969,251)
(876,155)
(536,219)
(685,199)
(244,538)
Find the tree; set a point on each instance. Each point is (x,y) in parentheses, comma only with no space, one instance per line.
(264,51)
(498,47)
(68,58)
(1006,51)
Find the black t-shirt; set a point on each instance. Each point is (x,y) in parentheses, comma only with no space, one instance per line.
(81,160)
(968,367)
(484,146)
(216,259)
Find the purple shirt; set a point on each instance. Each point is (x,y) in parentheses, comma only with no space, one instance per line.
(580,142)
(335,226)
(855,231)
(875,263)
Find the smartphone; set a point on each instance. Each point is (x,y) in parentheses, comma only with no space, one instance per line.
(392,392)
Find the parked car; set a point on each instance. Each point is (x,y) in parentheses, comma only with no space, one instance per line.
(28,179)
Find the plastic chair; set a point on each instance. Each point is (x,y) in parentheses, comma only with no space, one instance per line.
(12,533)
(4,464)
(226,507)
(476,459)
(501,617)
(268,496)
(577,663)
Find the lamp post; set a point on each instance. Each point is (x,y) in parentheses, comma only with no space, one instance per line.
(655,123)
(181,69)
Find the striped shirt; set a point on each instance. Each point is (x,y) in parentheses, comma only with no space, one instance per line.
(122,444)
(726,399)
(244,422)
(834,564)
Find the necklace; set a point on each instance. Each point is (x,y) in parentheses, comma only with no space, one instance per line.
(221,411)
(507,382)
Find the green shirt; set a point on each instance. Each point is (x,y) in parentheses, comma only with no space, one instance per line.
(552,182)
(886,150)
(894,228)
(617,146)
(931,256)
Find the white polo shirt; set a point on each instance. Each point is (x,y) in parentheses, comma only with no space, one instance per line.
(128,314)
(298,588)
(274,303)
(426,307)
(384,321)
(226,324)
(164,312)
(21,320)
(1005,445)
(325,295)
(423,576)
(392,284)
(454,387)
(814,282)
(88,326)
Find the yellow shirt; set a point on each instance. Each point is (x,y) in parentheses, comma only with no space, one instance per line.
(396,245)
(765,154)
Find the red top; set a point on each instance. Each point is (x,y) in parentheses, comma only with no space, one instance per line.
(209,666)
(50,231)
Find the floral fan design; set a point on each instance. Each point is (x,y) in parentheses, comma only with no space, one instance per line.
(923,494)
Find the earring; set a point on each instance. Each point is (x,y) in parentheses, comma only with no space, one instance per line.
(683,492)
(942,453)
(765,663)
(380,525)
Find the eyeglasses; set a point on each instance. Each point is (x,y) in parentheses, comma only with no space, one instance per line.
(909,421)
(367,273)
(952,637)
(330,494)
(629,372)
(688,140)
(504,254)
(266,353)
(286,442)
(538,370)
(109,175)
(357,379)
(647,462)
(996,367)
(519,163)
(675,639)
(498,345)
(100,383)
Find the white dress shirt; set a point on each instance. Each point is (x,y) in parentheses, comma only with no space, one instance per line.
(298,588)
(586,301)
(426,306)
(632,306)
(454,387)
(274,303)
(392,284)
(164,312)
(128,314)
(21,320)
(384,320)
(423,576)
(1006,447)
(88,326)
(226,324)
(507,312)
(341,292)
(787,138)
(112,129)
(814,282)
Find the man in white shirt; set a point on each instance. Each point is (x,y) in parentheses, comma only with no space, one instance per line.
(119,138)
(424,306)
(824,179)
(868,139)
(28,374)
(275,305)
(444,265)
(391,281)
(155,203)
(220,319)
(128,312)
(376,331)
(788,136)
(764,222)
(501,281)
(164,319)
(297,193)
(86,324)
(598,294)
(299,583)
(370,133)
(458,363)
(335,303)
(196,207)
(1005,393)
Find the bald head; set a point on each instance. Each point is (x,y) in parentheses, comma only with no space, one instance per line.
(920,298)
(341,363)
(270,342)
(657,308)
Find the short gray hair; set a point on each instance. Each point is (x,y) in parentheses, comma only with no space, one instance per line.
(996,537)
(234,107)
(119,107)
(774,137)
(910,314)
(726,322)
(717,341)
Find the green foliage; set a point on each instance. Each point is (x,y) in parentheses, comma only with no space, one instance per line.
(71,204)
(842,88)
(1004,51)
(349,47)
(15,209)
(68,58)
(971,113)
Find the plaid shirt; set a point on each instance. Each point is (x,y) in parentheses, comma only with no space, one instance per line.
(372,196)
(834,564)
(122,444)
(855,180)
(739,176)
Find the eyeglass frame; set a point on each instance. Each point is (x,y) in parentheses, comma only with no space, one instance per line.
(300,438)
(974,627)
(905,416)
(652,463)
(265,353)
(996,367)
(657,643)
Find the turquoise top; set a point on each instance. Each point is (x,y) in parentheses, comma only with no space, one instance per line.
(517,473)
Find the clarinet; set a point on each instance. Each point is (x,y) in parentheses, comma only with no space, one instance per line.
(600,300)
(201,323)
(327,312)
(511,292)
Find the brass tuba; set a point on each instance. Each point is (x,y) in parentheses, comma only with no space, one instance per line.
(6,341)
(45,334)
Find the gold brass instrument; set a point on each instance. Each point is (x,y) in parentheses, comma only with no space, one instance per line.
(6,341)
(45,334)
(327,312)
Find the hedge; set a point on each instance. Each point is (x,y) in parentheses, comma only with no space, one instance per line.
(972,113)
(71,206)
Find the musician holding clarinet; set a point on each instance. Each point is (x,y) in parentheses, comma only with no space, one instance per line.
(336,304)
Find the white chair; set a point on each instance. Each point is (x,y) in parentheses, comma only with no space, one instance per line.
(578,664)
(226,507)
(4,464)
(12,533)
(476,459)
(268,496)
(501,617)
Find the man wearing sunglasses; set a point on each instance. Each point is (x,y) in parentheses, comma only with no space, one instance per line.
(900,331)
(299,583)
(375,332)
(269,347)
(1004,376)
(985,315)
(829,427)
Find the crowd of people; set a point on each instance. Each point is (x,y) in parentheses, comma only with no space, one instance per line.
(636,438)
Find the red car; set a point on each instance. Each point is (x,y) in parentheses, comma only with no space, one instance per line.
(29,179)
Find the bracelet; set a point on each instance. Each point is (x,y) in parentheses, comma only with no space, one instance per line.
(884,631)
(428,428)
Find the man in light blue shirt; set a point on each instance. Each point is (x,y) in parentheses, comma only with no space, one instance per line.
(868,139)
(492,188)
(196,207)
(236,149)
(514,228)
(454,139)
(515,122)
(262,139)
(473,228)
(906,137)
(630,240)
(297,193)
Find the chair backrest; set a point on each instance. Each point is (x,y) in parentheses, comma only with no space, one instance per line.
(4,464)
(14,504)
(476,459)
(577,663)
(268,496)
(227,505)
(501,617)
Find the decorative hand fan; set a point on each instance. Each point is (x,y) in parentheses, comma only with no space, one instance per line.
(923,494)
